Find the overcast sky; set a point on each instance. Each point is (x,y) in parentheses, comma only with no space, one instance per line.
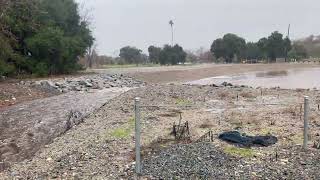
(140,23)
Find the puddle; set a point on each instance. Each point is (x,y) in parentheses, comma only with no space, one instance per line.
(291,79)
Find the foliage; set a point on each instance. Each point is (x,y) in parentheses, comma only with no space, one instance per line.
(172,55)
(42,37)
(277,46)
(154,54)
(233,48)
(229,47)
(253,51)
(131,55)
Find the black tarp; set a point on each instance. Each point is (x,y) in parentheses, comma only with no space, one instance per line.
(247,141)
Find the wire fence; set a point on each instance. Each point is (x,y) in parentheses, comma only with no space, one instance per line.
(181,130)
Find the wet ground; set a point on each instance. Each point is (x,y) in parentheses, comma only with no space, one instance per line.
(102,147)
(29,126)
(287,79)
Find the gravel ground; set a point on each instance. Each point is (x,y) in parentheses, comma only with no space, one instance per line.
(27,127)
(102,147)
(189,161)
(205,161)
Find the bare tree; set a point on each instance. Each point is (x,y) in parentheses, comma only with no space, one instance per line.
(91,55)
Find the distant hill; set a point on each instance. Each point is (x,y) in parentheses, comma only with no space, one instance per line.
(312,45)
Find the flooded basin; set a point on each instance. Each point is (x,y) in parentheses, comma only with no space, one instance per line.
(290,79)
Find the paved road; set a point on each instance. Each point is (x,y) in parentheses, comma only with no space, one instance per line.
(27,127)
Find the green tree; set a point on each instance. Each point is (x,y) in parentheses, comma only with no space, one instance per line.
(154,54)
(172,55)
(131,55)
(253,51)
(277,47)
(263,46)
(229,47)
(42,36)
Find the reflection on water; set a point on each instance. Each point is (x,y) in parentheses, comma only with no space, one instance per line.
(291,79)
(272,74)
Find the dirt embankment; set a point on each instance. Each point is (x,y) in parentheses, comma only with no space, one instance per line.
(31,122)
(210,70)
(102,147)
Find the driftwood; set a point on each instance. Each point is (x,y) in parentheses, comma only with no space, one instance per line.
(208,137)
(181,131)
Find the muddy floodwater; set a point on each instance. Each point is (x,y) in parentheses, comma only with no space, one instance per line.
(289,79)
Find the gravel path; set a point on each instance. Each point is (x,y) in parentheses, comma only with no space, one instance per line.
(27,127)
(188,161)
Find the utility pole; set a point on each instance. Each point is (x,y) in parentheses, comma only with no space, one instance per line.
(171,24)
(288,35)
(286,50)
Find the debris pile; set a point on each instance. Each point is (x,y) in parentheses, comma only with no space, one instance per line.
(85,83)
(248,141)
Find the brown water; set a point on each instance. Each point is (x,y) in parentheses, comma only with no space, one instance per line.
(291,79)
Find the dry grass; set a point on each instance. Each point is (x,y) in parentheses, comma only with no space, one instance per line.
(248,95)
(206,125)
(170,113)
(223,94)
(292,110)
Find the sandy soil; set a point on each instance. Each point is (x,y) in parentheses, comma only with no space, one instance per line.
(103,146)
(12,93)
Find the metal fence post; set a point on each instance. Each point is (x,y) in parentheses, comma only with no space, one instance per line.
(137,134)
(306,115)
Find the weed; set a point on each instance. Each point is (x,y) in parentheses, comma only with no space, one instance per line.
(241,152)
(121,133)
(183,102)
(125,130)
(223,94)
(247,95)
(206,125)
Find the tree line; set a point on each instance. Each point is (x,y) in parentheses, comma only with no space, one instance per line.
(41,37)
(232,48)
(229,49)
(168,55)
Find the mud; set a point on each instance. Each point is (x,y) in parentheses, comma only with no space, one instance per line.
(29,126)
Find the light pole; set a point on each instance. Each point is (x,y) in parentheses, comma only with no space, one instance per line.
(171,24)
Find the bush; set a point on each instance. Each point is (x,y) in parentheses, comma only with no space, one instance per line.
(6,69)
(51,36)
(41,69)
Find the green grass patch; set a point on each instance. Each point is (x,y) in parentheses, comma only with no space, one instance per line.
(121,133)
(240,152)
(124,131)
(183,102)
